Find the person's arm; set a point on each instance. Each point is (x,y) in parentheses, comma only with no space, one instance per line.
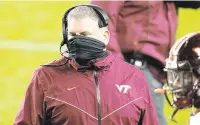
(150,115)
(112,8)
(31,109)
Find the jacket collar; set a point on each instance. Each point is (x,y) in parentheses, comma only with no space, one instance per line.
(100,63)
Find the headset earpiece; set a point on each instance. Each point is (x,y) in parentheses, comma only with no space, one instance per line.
(65,33)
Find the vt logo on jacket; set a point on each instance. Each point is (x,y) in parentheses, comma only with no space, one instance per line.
(123,88)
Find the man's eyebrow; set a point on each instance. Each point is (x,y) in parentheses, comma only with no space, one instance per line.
(81,33)
(72,32)
(85,32)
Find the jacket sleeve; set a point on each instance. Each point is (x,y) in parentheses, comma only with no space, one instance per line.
(112,8)
(150,115)
(31,109)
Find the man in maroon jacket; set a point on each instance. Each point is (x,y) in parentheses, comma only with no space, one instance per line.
(90,86)
(143,32)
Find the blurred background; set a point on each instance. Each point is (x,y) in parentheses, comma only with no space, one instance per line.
(30,34)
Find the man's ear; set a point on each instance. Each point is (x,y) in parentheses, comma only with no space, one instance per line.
(106,36)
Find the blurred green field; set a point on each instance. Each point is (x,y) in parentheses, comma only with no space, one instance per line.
(26,23)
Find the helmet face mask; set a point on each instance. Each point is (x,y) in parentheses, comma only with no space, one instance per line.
(179,79)
(183,73)
(180,82)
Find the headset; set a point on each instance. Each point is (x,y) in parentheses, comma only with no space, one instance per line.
(103,20)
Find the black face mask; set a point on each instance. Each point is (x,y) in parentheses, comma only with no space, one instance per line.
(85,49)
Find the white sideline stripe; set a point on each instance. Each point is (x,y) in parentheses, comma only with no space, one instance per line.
(121,107)
(73,106)
(29,45)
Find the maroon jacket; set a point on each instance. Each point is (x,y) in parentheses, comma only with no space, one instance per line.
(65,96)
(147,26)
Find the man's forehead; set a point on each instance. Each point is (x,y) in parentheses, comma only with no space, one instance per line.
(82,24)
(84,20)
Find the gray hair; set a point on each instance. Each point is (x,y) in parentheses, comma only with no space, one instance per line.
(80,12)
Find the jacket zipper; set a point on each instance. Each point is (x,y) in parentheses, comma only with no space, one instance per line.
(140,122)
(148,19)
(170,27)
(147,26)
(98,97)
